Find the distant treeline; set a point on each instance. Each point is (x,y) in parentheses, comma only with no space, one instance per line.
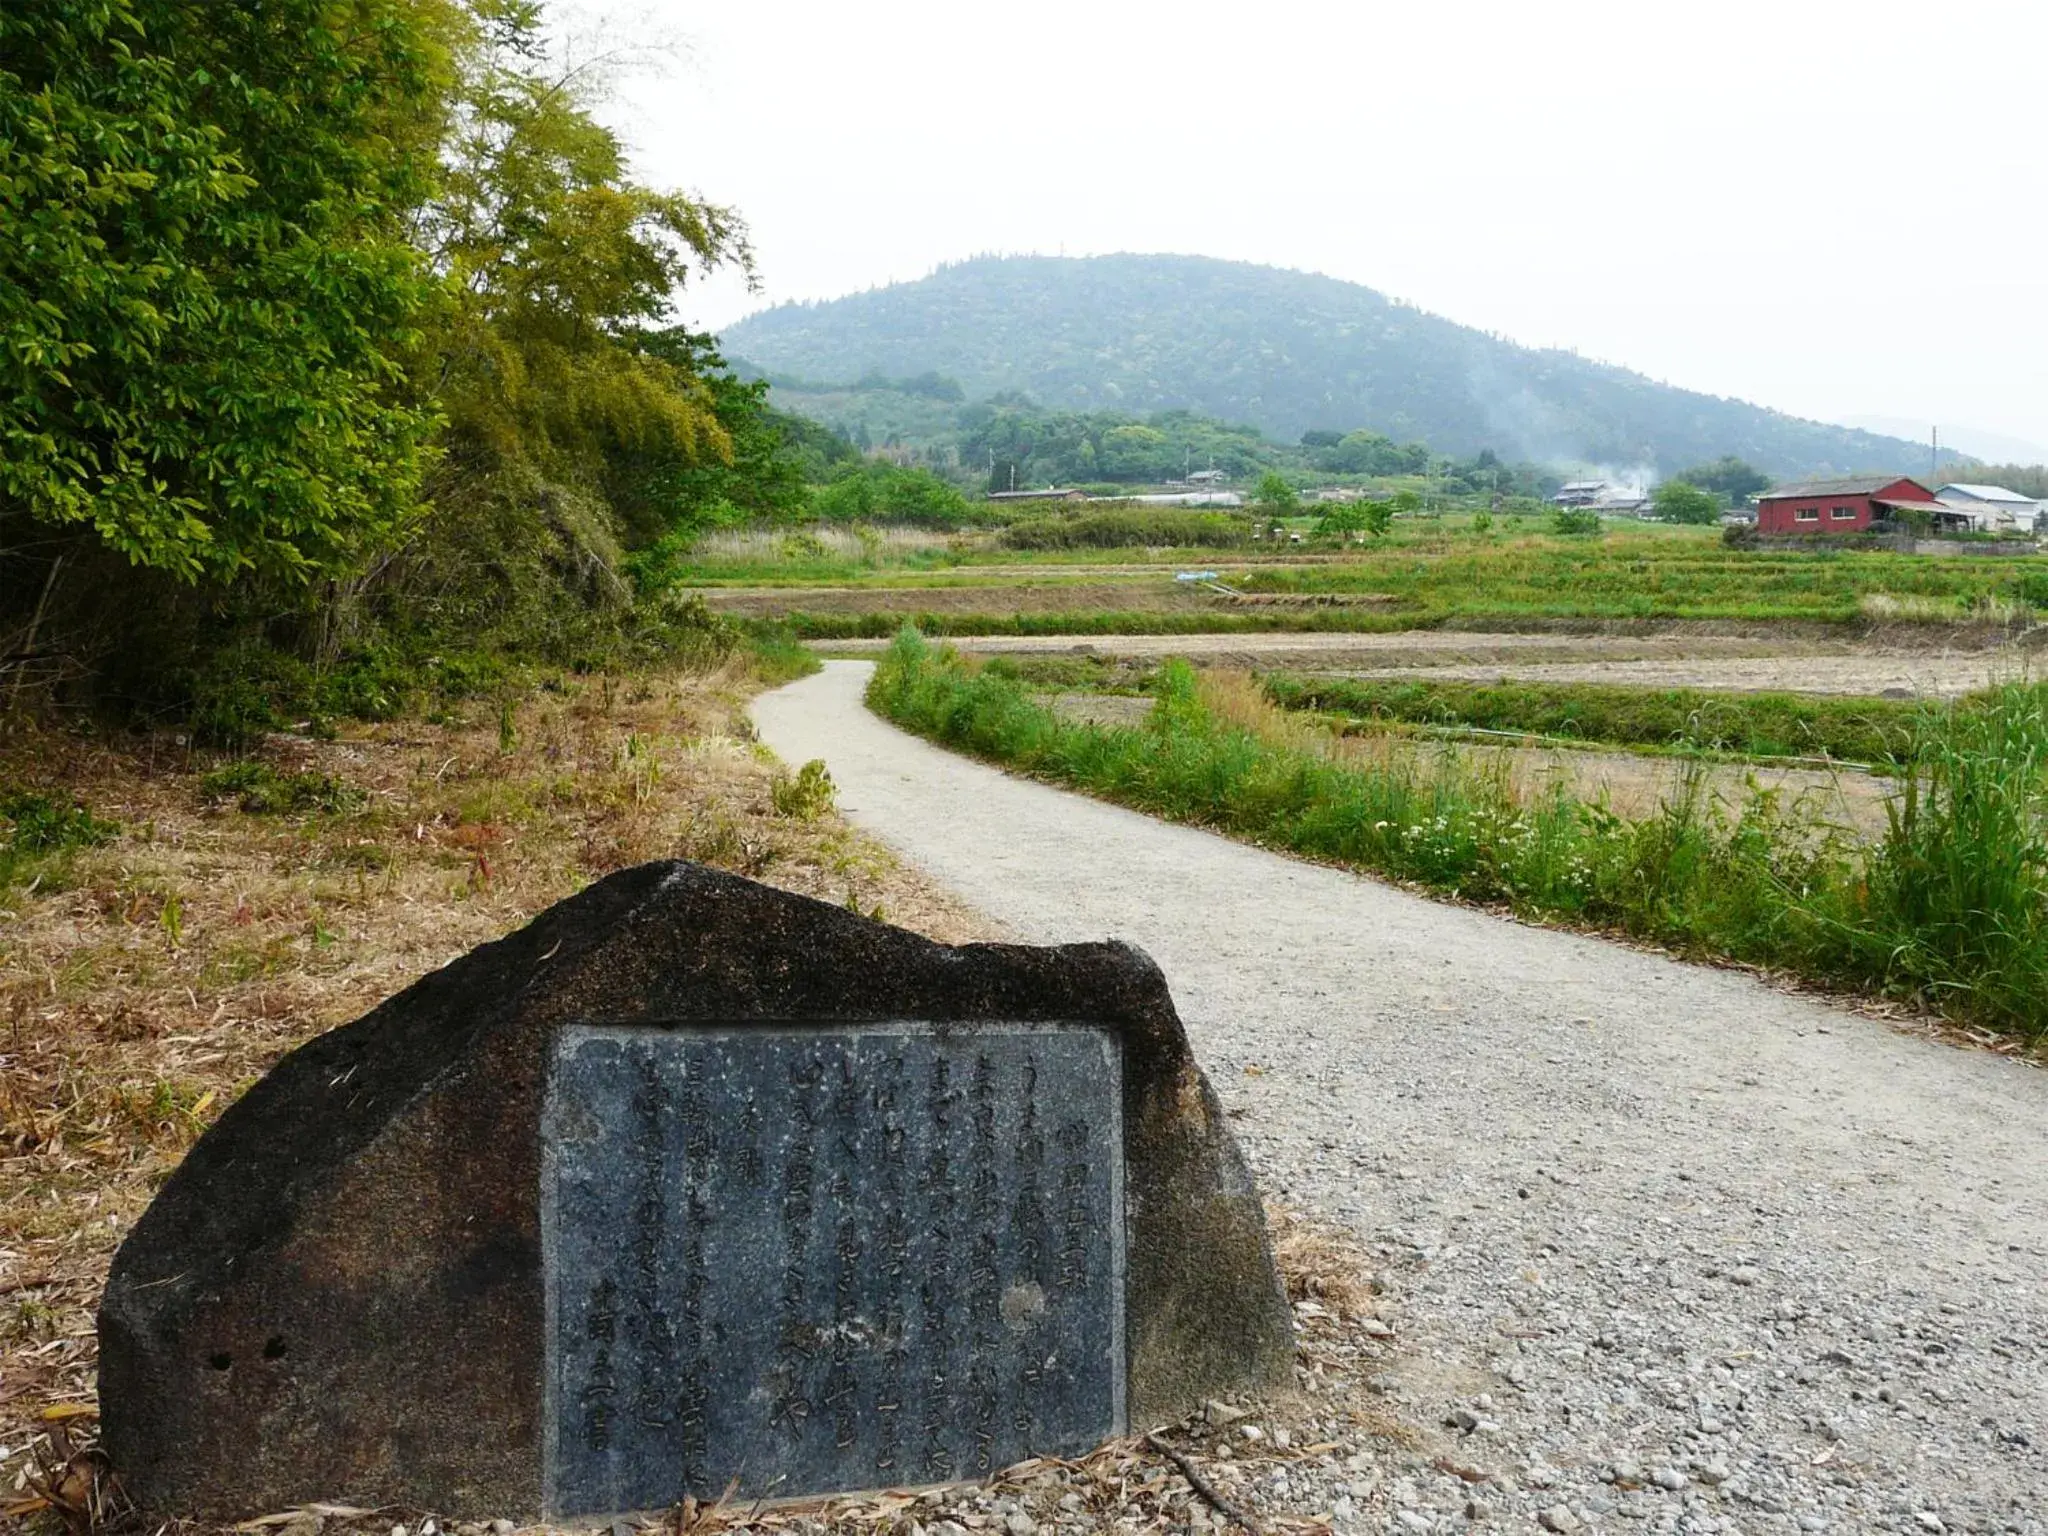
(1009,441)
(1291,352)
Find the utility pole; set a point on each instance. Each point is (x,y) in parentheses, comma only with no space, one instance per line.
(1934,453)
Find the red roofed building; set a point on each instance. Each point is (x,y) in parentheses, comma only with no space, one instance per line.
(1841,506)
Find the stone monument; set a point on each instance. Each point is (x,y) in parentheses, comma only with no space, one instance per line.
(692,1185)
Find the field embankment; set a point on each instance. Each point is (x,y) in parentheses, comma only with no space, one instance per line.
(1866,660)
(1426,574)
(1949,907)
(1869,731)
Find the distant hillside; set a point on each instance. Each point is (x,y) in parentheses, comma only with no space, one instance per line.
(1287,351)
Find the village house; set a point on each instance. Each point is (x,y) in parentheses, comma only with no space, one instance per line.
(1847,505)
(1993,508)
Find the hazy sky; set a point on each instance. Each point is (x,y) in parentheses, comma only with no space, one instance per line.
(1835,207)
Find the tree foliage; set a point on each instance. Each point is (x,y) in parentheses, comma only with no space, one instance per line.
(877,491)
(2025,479)
(1276,495)
(765,475)
(1373,453)
(350,316)
(1674,501)
(207,294)
(1730,476)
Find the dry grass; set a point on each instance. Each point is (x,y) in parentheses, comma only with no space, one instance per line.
(179,962)
(1635,785)
(823,541)
(1322,1264)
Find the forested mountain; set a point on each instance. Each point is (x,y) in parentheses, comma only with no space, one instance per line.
(1288,351)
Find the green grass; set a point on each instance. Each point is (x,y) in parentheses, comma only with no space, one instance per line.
(1665,574)
(1131,527)
(1429,572)
(261,790)
(1949,908)
(777,655)
(39,834)
(1855,730)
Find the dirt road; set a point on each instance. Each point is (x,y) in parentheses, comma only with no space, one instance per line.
(1688,1254)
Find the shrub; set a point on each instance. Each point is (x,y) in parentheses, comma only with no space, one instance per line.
(38,824)
(806,795)
(1951,908)
(42,832)
(1676,501)
(1128,527)
(1276,496)
(874,492)
(261,790)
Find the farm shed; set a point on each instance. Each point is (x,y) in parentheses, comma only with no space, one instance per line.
(1992,507)
(1847,505)
(1579,493)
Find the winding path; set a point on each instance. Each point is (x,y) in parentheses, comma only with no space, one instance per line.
(1662,1216)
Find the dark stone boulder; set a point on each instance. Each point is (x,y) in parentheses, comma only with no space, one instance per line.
(341,1295)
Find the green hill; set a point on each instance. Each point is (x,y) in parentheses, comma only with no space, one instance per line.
(1287,351)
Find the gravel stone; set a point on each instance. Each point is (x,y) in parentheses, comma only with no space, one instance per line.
(1743,1206)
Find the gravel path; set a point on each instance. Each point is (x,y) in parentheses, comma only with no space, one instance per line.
(1689,1254)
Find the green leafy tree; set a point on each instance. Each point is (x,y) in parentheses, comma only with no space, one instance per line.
(1378,517)
(557,263)
(765,476)
(207,290)
(1734,479)
(1674,501)
(558,258)
(876,492)
(1276,496)
(1575,522)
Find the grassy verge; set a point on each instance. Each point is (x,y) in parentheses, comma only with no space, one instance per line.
(1855,730)
(1949,908)
(173,920)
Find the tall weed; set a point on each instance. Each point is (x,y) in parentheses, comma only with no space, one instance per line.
(1950,908)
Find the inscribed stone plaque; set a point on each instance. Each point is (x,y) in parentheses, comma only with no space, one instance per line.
(829,1257)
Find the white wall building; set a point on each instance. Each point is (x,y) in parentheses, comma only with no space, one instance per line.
(1992,507)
